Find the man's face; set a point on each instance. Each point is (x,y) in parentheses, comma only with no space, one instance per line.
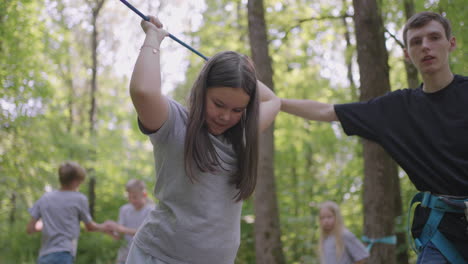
(428,48)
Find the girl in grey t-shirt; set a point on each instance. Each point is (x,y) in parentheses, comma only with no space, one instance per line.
(206,155)
(337,244)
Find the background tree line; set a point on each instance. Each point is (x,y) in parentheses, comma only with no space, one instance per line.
(64,70)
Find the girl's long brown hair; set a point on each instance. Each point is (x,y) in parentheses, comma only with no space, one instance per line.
(225,69)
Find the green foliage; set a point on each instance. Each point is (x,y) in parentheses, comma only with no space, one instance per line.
(246,253)
(44,121)
(16,246)
(96,248)
(456,11)
(21,76)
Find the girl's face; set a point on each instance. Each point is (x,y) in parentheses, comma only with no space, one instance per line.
(327,219)
(224,108)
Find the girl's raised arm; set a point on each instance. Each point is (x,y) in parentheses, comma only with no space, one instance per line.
(269,106)
(145,84)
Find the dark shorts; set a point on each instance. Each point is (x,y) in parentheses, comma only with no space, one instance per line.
(431,255)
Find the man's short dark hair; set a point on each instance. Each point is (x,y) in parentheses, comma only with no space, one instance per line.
(421,19)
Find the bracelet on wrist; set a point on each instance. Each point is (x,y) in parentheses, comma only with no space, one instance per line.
(154,49)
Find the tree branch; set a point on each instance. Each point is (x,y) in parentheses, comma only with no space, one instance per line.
(401,44)
(304,20)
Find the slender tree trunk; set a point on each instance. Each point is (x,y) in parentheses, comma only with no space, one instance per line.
(411,71)
(92,192)
(66,69)
(12,217)
(70,105)
(402,245)
(295,178)
(379,169)
(268,244)
(94,87)
(311,190)
(413,82)
(349,53)
(96,7)
(66,75)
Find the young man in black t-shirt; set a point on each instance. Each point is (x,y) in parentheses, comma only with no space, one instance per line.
(425,130)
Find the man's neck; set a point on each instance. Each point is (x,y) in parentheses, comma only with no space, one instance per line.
(436,81)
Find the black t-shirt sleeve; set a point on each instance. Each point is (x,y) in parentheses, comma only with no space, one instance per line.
(371,119)
(355,121)
(358,119)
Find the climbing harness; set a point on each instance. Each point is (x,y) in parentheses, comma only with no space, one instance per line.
(439,205)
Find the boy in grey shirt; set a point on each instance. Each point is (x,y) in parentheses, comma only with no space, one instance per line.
(131,215)
(58,214)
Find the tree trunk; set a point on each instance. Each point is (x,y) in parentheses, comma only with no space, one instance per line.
(96,7)
(268,244)
(402,256)
(413,82)
(379,169)
(349,53)
(94,43)
(295,178)
(411,71)
(12,217)
(92,192)
(70,104)
(379,202)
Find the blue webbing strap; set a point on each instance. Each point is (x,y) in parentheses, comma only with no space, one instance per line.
(391,240)
(447,249)
(430,231)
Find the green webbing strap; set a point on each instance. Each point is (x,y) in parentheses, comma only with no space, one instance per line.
(391,240)
(417,198)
